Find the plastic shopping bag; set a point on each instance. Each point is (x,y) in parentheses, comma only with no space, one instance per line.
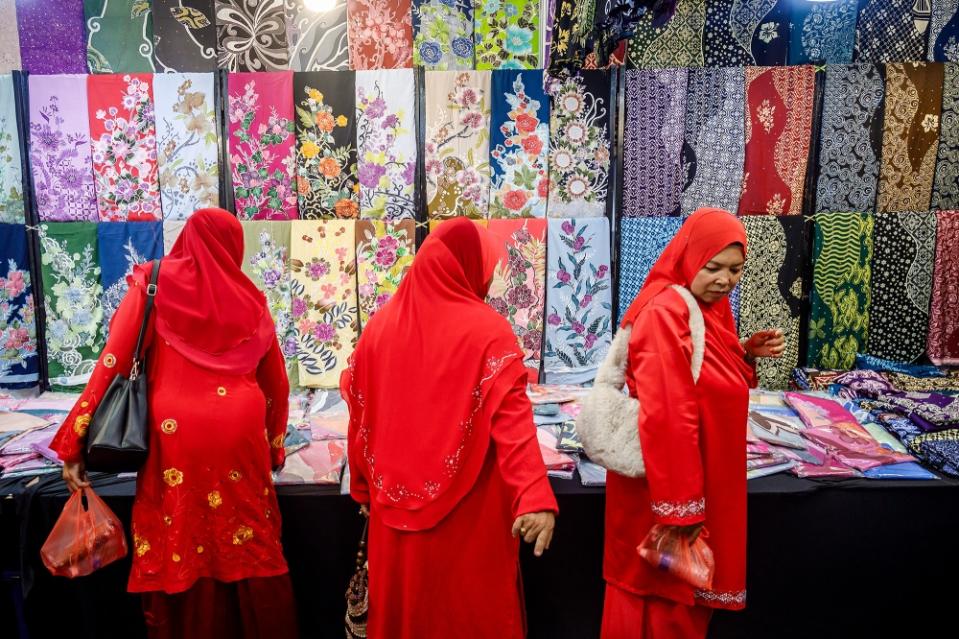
(87,536)
(667,549)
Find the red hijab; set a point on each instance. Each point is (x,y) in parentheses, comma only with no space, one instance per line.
(429,371)
(206,307)
(704,234)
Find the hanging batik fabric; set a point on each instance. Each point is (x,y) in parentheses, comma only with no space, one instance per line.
(518,291)
(119,36)
(60,148)
(380,34)
(324,303)
(71,298)
(572,25)
(507,34)
(678,44)
(770,291)
(123,141)
(745,32)
(714,140)
(655,111)
(945,188)
(823,32)
(892,30)
(579,146)
(18,338)
(842,258)
(171,231)
(904,250)
(318,38)
(252,35)
(910,137)
(120,247)
(261,145)
(779,102)
(266,261)
(457,144)
(11,169)
(325,151)
(850,138)
(187,143)
(642,241)
(579,300)
(443,31)
(184,36)
(943,342)
(944,31)
(384,253)
(519,145)
(9,38)
(386,144)
(608,47)
(52,36)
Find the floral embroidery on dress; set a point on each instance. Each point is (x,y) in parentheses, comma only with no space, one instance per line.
(731,598)
(384,253)
(692,508)
(380,34)
(507,34)
(444,34)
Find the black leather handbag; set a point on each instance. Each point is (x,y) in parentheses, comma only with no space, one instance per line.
(119,432)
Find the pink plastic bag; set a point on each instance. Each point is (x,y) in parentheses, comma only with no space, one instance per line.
(84,538)
(667,549)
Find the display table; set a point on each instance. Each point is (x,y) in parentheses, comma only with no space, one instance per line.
(843,559)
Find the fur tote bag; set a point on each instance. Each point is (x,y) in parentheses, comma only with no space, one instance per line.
(608,424)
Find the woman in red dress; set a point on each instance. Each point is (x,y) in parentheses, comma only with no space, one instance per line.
(693,437)
(443,451)
(206,526)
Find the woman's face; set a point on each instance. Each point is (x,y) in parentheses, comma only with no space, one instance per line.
(720,274)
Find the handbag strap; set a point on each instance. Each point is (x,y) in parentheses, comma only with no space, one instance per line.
(147,309)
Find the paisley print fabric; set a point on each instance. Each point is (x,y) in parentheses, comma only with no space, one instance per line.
(252,35)
(678,44)
(943,342)
(746,32)
(892,30)
(945,188)
(318,39)
(823,32)
(184,35)
(119,36)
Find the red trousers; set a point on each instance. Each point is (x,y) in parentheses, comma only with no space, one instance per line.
(255,608)
(629,616)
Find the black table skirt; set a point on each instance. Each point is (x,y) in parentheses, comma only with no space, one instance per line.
(826,559)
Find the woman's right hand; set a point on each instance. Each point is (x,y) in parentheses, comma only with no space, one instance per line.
(75,474)
(536,528)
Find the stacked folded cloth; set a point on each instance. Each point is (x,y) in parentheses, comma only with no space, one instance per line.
(315,439)
(555,409)
(27,426)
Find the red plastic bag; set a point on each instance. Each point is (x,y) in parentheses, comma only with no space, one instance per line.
(667,549)
(87,536)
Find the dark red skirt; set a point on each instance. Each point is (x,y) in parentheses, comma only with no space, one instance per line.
(255,608)
(629,616)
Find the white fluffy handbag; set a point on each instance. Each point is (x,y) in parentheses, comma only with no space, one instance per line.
(608,424)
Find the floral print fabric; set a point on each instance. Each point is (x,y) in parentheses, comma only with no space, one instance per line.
(457,144)
(386,144)
(745,32)
(823,31)
(123,134)
(119,36)
(326,149)
(187,143)
(904,250)
(324,303)
(892,30)
(850,138)
(184,36)
(778,127)
(579,153)
(384,253)
(71,297)
(519,145)
(842,259)
(171,231)
(655,110)
(714,139)
(60,148)
(943,341)
(642,241)
(579,300)
(944,31)
(120,247)
(507,34)
(945,188)
(9,38)
(678,44)
(380,34)
(318,39)
(518,292)
(18,339)
(11,169)
(443,38)
(52,36)
(252,35)
(910,136)
(261,145)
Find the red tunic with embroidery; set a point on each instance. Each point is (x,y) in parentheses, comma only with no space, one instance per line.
(205,504)
(693,438)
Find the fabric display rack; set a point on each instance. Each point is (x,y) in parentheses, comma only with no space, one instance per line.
(346,130)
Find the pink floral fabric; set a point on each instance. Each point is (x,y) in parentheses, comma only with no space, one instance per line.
(380,34)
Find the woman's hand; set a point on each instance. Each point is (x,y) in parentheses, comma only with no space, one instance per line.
(536,527)
(365,510)
(75,474)
(769,343)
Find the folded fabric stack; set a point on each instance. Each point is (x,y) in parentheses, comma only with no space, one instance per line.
(25,436)
(555,409)
(315,439)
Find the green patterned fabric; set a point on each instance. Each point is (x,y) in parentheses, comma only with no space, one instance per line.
(507,34)
(842,255)
(119,36)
